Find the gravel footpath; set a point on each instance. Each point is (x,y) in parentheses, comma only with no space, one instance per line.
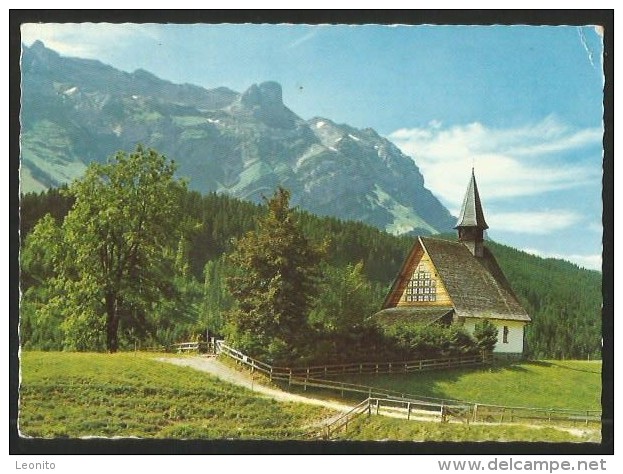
(227,374)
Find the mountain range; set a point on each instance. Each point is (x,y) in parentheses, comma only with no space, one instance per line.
(77,111)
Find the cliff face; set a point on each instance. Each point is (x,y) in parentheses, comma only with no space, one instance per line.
(76,111)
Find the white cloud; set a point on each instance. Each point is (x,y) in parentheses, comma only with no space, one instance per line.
(536,223)
(86,40)
(590,262)
(509,162)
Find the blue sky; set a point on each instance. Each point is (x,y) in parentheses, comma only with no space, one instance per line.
(522,104)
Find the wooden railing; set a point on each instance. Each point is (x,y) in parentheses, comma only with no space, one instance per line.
(409,409)
(508,414)
(199,346)
(340,423)
(446,408)
(413,408)
(313,372)
(399,367)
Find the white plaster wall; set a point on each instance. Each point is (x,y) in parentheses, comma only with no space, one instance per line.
(515,334)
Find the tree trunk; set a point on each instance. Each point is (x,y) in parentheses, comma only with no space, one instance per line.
(112,323)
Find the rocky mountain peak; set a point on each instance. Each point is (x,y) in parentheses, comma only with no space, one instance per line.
(264,102)
(38,55)
(39,49)
(143,75)
(267,94)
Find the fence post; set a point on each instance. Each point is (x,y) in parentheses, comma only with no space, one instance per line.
(408,410)
(270,377)
(369,407)
(377,406)
(475,412)
(586,417)
(289,377)
(420,365)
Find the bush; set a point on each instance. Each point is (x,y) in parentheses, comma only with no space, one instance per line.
(486,335)
(434,340)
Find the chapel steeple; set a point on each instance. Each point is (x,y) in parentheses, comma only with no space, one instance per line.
(471,223)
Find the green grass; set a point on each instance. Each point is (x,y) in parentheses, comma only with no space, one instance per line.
(380,428)
(539,384)
(86,394)
(127,394)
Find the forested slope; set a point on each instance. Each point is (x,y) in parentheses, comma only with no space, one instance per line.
(563,300)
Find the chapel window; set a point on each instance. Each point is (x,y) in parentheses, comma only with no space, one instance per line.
(422,286)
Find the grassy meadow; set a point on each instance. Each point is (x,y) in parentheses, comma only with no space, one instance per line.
(86,394)
(539,384)
(66,394)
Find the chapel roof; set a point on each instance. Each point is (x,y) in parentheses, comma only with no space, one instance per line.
(476,286)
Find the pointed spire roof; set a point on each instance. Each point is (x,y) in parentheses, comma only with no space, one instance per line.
(471,210)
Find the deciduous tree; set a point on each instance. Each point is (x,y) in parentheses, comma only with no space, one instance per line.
(117,247)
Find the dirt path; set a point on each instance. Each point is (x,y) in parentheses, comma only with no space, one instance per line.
(225,373)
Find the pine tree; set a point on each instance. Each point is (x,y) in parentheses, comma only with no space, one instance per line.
(274,284)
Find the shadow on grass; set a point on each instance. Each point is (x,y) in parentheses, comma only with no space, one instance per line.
(543,363)
(598,372)
(416,384)
(429,384)
(538,363)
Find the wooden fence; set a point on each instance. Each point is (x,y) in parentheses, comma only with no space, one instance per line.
(409,409)
(314,372)
(341,423)
(446,408)
(199,346)
(508,414)
(389,367)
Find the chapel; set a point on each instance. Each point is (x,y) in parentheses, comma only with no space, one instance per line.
(457,282)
